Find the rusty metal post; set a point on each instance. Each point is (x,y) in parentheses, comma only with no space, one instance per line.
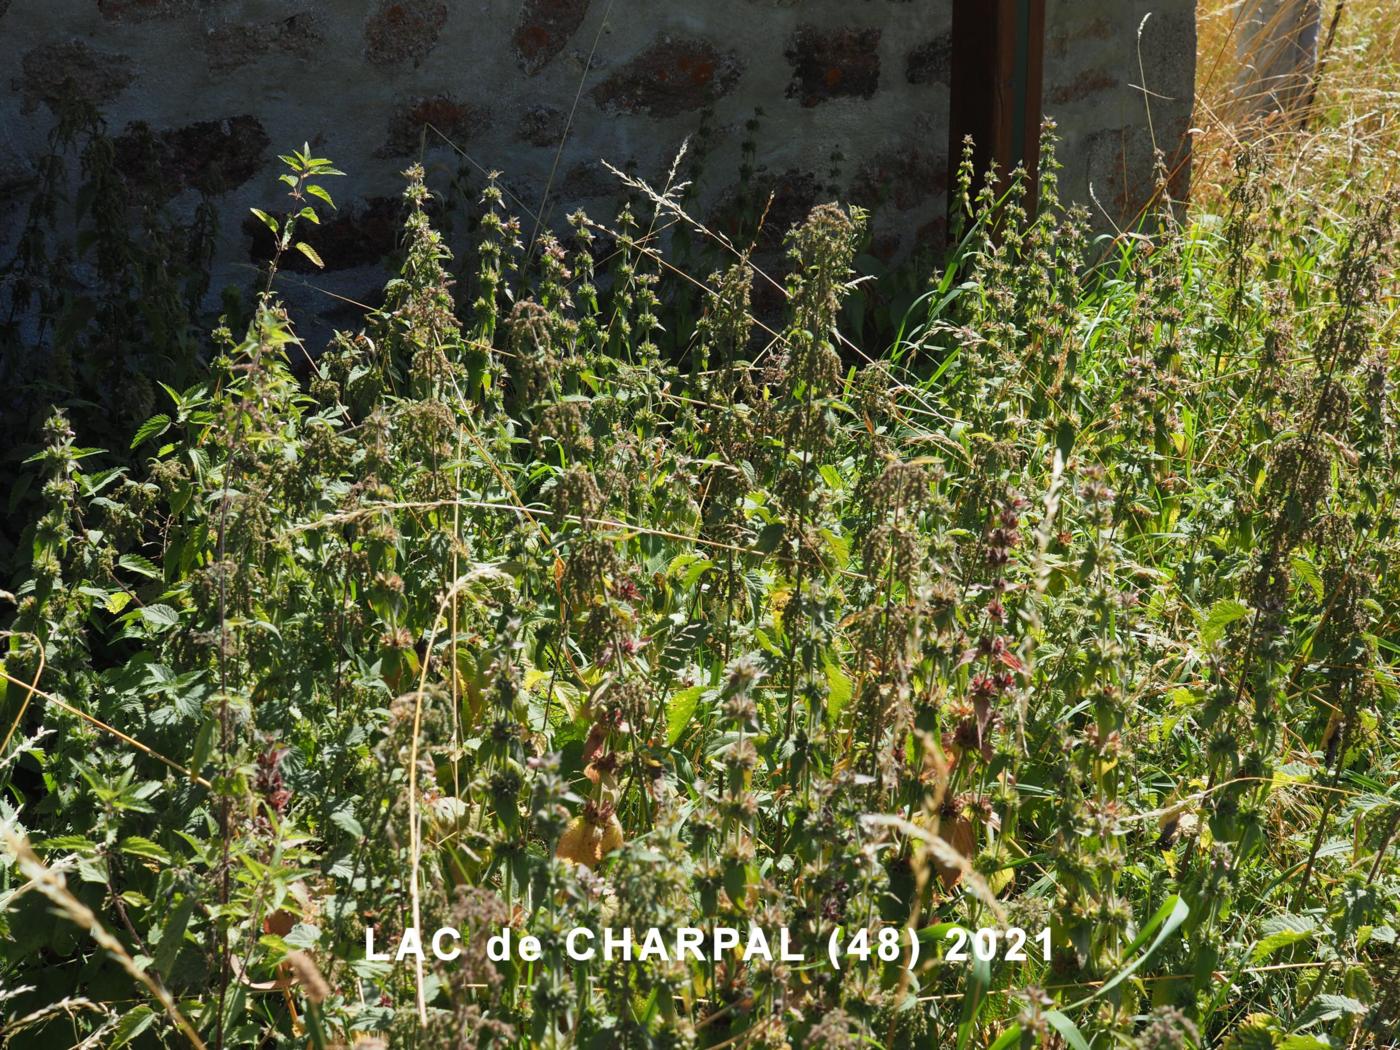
(998,69)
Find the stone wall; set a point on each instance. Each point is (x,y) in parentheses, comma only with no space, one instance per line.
(840,98)
(1120,83)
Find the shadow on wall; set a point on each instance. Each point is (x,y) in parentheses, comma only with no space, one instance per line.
(854,103)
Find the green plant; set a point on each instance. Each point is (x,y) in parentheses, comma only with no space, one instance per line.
(99,304)
(1072,610)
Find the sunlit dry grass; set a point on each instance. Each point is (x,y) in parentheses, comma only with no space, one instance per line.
(1345,134)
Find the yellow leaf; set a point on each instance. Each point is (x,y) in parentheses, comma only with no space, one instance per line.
(586,843)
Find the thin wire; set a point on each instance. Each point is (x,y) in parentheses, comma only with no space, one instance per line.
(569,123)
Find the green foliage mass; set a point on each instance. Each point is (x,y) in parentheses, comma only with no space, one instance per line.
(1072,609)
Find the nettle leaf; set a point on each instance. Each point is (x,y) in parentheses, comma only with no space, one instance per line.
(680,710)
(1308,574)
(173,936)
(139,846)
(159,617)
(67,844)
(267,220)
(140,565)
(838,690)
(688,568)
(276,945)
(769,537)
(1257,1033)
(1274,941)
(681,642)
(132,1024)
(1289,924)
(311,254)
(1384,933)
(153,427)
(1222,614)
(303,935)
(346,822)
(1330,1007)
(839,546)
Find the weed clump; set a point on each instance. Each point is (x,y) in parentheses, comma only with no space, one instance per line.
(1065,617)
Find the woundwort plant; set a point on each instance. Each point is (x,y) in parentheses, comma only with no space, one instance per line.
(535,603)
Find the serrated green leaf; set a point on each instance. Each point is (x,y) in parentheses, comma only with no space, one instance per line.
(1328,1007)
(132,1023)
(318,191)
(838,690)
(310,253)
(1222,614)
(345,821)
(67,844)
(688,568)
(839,546)
(1272,943)
(153,427)
(1257,1033)
(159,616)
(303,935)
(679,711)
(1307,572)
(140,846)
(173,936)
(140,565)
(267,220)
